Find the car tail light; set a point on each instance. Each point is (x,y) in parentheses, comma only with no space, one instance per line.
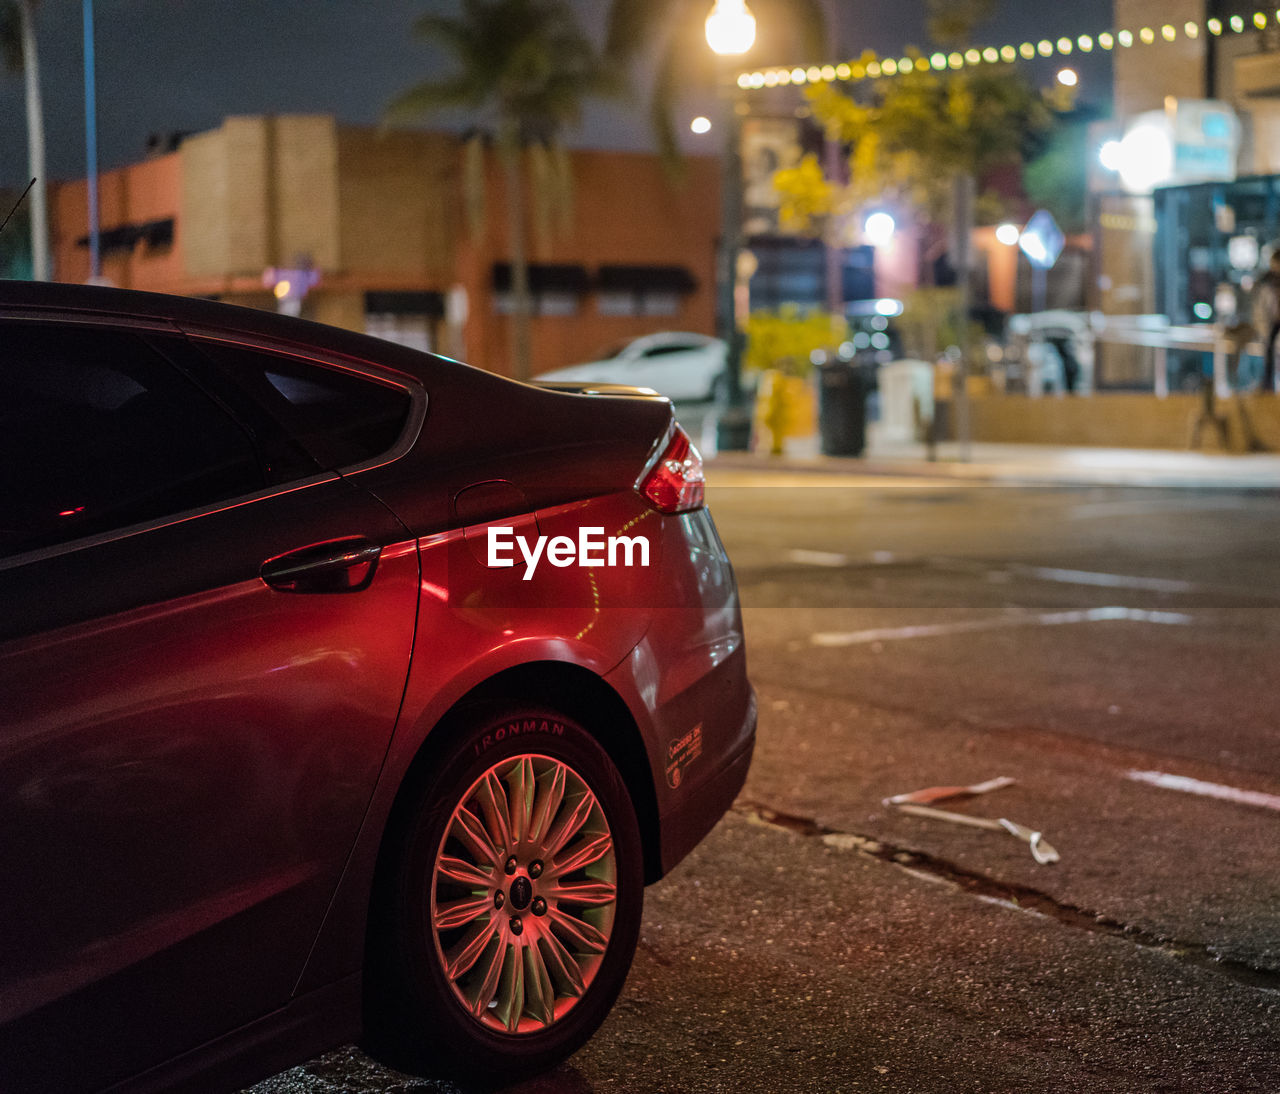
(673,483)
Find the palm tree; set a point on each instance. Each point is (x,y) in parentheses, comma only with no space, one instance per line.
(18,45)
(523,69)
(790,32)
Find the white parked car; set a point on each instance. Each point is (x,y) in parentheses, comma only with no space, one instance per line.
(681,366)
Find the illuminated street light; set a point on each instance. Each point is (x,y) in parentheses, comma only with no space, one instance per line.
(1067,77)
(1145,158)
(879,229)
(1008,234)
(1109,155)
(700,125)
(731,28)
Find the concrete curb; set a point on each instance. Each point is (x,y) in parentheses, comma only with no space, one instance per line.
(1033,465)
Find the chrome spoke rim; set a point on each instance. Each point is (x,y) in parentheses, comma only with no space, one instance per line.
(523,894)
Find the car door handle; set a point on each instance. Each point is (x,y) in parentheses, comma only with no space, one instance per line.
(339,566)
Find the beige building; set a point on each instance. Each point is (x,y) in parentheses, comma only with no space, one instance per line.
(1238,66)
(369,230)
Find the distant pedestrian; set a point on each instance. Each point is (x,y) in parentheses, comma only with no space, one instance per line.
(1070,362)
(1266,318)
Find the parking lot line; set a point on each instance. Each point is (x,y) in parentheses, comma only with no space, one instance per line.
(1041,619)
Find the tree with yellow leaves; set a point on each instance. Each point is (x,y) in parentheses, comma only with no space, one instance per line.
(919,142)
(910,137)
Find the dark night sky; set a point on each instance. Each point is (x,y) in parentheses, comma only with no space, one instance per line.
(166,65)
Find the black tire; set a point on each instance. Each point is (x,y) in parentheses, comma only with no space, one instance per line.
(424,1017)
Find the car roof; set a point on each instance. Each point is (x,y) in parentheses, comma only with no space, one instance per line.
(660,337)
(32,298)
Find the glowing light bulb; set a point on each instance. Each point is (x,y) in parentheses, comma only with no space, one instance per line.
(731,28)
(1008,234)
(879,228)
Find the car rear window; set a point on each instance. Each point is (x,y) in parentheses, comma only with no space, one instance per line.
(341,418)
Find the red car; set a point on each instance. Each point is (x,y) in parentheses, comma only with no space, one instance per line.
(346,692)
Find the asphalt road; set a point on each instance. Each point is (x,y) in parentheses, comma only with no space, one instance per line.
(1113,651)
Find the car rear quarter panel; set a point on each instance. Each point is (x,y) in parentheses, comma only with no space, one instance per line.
(474,623)
(666,637)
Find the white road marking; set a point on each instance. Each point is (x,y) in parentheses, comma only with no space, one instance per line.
(1147,506)
(1206,790)
(817,558)
(834,559)
(1108,581)
(1044,619)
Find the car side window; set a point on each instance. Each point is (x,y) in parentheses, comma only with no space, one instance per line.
(340,418)
(98,431)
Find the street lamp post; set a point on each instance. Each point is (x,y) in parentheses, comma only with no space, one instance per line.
(731,30)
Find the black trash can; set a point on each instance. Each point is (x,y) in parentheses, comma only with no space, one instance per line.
(842,408)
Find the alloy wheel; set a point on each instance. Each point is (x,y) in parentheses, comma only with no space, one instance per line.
(523,894)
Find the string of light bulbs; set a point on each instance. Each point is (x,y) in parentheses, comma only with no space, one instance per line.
(870,67)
